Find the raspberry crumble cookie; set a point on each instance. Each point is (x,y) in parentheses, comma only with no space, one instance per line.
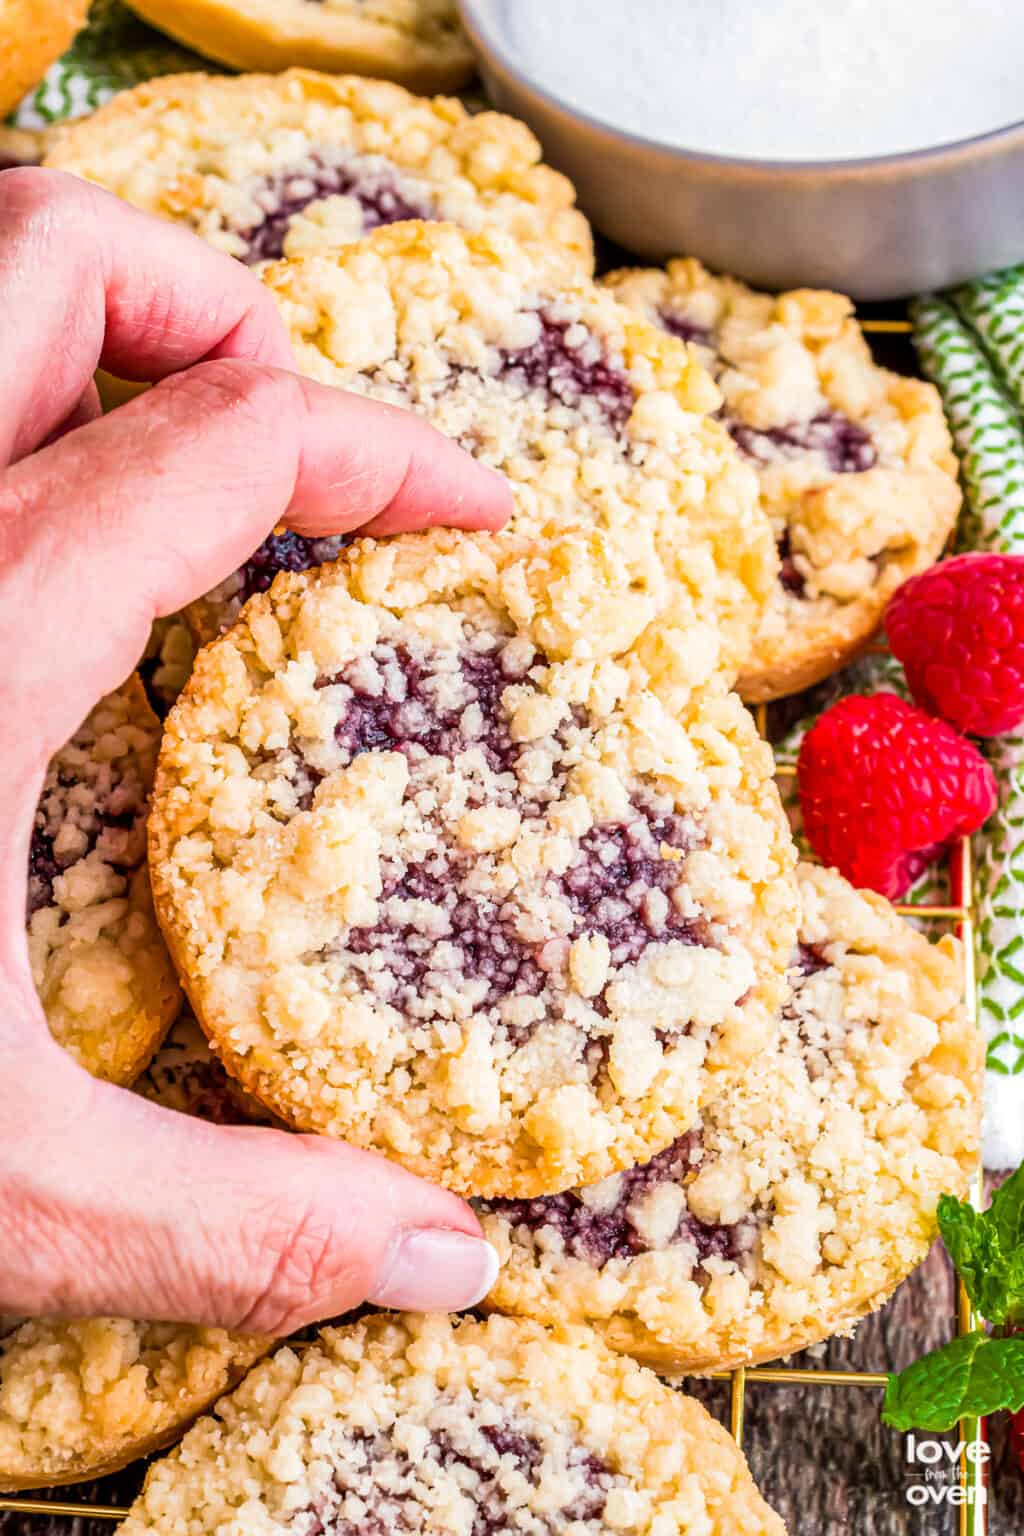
(33,33)
(267,166)
(419,43)
(500,916)
(421,1424)
(595,416)
(855,463)
(810,1188)
(99,964)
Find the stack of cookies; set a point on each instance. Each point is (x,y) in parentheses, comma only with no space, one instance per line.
(466,849)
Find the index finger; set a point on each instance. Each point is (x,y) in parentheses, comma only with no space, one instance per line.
(86,280)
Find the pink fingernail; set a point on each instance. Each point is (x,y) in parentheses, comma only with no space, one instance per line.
(436,1271)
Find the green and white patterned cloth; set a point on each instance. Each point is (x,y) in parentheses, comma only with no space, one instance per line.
(113,53)
(972,344)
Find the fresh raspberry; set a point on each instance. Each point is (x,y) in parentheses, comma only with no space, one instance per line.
(958,629)
(883,787)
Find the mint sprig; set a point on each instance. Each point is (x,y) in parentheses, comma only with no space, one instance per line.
(970,1376)
(981,1372)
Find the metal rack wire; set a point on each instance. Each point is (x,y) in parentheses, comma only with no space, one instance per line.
(972,1512)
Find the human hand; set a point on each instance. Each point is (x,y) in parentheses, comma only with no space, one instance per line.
(109,1204)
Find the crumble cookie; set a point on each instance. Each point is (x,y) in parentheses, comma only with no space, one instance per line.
(810,1188)
(473,1429)
(418,43)
(268,166)
(81,1398)
(33,33)
(594,415)
(855,463)
(497,915)
(99,964)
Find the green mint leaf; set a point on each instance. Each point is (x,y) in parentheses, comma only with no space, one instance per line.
(987,1248)
(972,1375)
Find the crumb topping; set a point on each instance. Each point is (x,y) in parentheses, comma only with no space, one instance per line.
(419,1424)
(576,401)
(438,895)
(855,464)
(810,1187)
(262,165)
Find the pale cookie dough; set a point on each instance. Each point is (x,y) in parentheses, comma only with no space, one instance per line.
(595,416)
(810,1188)
(281,550)
(501,916)
(33,33)
(419,43)
(466,1429)
(99,964)
(855,463)
(268,166)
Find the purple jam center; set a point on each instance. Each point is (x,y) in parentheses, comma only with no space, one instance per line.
(686,330)
(44,866)
(610,883)
(810,960)
(419,726)
(570,374)
(596,1237)
(619,884)
(790,577)
(393,1508)
(287,552)
(845,445)
(372,184)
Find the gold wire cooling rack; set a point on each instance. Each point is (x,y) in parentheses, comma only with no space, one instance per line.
(972,1511)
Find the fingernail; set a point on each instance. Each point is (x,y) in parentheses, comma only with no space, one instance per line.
(436,1271)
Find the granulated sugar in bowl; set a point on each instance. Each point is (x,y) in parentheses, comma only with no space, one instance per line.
(779,79)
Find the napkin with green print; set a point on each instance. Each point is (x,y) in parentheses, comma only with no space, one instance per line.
(114,52)
(971,343)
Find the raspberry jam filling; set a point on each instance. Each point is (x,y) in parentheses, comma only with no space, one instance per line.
(370,180)
(687,330)
(452,938)
(379,1489)
(568,362)
(844,445)
(607,1221)
(286,552)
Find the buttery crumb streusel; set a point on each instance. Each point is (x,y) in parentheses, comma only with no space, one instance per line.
(499,915)
(809,1189)
(268,165)
(855,463)
(424,1424)
(99,964)
(416,42)
(595,416)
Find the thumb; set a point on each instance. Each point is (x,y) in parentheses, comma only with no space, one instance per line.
(175,1220)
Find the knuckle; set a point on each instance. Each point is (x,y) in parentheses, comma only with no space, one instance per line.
(230,387)
(303,1267)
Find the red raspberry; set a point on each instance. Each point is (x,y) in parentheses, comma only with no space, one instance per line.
(958,629)
(883,787)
